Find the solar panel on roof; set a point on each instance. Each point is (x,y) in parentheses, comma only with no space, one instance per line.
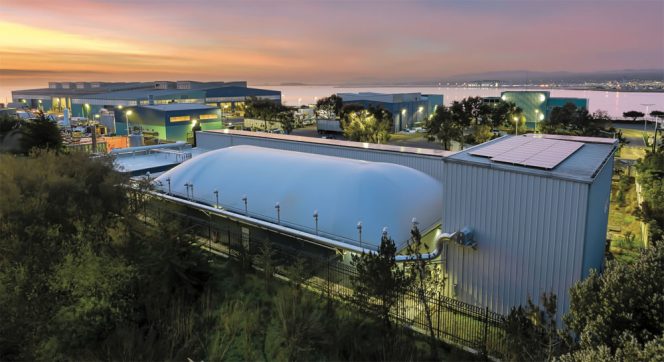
(529,151)
(500,147)
(576,138)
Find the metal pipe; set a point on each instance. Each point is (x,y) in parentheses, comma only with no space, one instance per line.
(439,241)
(268,225)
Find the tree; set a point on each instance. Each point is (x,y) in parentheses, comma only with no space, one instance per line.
(286,116)
(651,210)
(368,125)
(21,136)
(626,298)
(428,283)
(506,115)
(531,333)
(657,114)
(633,115)
(572,120)
(629,350)
(379,282)
(270,111)
(77,266)
(443,127)
(329,107)
(264,109)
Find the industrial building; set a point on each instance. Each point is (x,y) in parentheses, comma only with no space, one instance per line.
(406,108)
(173,121)
(519,216)
(537,105)
(86,99)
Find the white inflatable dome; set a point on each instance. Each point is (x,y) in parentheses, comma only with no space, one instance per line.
(342,191)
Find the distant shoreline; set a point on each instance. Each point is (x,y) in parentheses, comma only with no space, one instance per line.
(523,87)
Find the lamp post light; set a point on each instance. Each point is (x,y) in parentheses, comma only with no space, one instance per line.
(645,120)
(359,232)
(127,114)
(244,199)
(186,186)
(169,185)
(216,195)
(316,220)
(192,190)
(276,206)
(516,126)
(415,223)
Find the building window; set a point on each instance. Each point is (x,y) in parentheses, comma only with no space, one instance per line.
(180,119)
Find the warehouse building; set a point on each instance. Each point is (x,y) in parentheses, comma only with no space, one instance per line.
(86,99)
(173,121)
(537,105)
(539,211)
(407,108)
(531,211)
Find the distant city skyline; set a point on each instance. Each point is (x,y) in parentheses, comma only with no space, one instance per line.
(322,41)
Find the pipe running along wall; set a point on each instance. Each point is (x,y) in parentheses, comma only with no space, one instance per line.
(316,239)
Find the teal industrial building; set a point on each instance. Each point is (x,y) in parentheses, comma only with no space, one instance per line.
(149,102)
(173,121)
(537,105)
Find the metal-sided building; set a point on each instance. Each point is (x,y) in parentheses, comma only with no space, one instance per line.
(537,230)
(172,121)
(538,212)
(406,108)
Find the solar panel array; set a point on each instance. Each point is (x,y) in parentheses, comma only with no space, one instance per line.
(529,151)
(607,141)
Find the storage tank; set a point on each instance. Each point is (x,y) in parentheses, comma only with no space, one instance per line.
(136,139)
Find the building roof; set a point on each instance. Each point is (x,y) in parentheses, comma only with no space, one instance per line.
(343,191)
(582,165)
(234,91)
(339,143)
(381,97)
(143,93)
(178,107)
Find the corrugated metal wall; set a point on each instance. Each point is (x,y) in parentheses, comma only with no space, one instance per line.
(530,234)
(430,165)
(598,219)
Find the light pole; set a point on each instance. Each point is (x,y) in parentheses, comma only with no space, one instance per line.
(415,223)
(516,126)
(186,186)
(127,114)
(216,195)
(645,120)
(244,199)
(359,232)
(316,220)
(276,206)
(169,185)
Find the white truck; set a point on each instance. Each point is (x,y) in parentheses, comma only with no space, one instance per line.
(328,126)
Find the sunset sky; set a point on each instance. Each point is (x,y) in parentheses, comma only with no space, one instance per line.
(321,41)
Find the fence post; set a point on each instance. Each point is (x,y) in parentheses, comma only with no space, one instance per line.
(439,310)
(229,242)
(486,331)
